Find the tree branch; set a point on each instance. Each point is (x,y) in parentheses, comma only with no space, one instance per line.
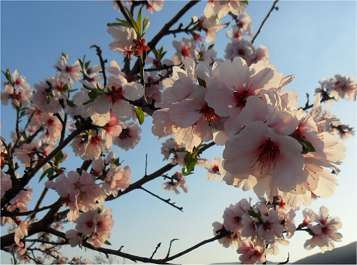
(273,7)
(136,258)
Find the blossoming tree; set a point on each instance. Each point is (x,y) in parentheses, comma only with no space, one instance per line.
(287,154)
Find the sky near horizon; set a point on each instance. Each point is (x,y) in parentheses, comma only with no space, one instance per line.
(309,39)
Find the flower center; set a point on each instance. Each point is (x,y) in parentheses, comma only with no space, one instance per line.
(268,153)
(116,94)
(125,133)
(185,51)
(241,96)
(237,219)
(89,223)
(95,140)
(69,69)
(209,114)
(215,169)
(18,81)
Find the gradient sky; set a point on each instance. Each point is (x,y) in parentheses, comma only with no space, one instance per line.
(310,39)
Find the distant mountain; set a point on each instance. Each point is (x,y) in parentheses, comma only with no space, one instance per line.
(341,255)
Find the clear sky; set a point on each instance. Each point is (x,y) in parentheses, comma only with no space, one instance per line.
(310,39)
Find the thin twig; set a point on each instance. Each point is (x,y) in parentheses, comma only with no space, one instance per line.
(170,246)
(273,7)
(42,196)
(102,62)
(168,201)
(146,164)
(156,248)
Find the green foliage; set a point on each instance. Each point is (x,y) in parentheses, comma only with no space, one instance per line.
(140,114)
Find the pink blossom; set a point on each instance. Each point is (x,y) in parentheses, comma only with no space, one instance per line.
(219,8)
(79,192)
(117,94)
(214,168)
(231,239)
(129,136)
(118,178)
(257,150)
(123,39)
(18,91)
(271,226)
(240,48)
(184,48)
(96,224)
(211,25)
(233,82)
(155,5)
(233,216)
(324,233)
(6,183)
(170,147)
(68,72)
(339,87)
(74,237)
(251,253)
(177,181)
(162,124)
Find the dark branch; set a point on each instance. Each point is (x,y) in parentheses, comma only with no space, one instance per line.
(273,7)
(168,201)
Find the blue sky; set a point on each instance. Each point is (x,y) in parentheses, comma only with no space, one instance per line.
(310,39)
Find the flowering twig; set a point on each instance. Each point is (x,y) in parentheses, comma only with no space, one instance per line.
(164,30)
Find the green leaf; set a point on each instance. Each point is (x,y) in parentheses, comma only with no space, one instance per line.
(140,114)
(59,158)
(190,163)
(107,242)
(146,24)
(48,172)
(139,22)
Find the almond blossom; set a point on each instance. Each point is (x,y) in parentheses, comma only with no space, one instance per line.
(17,90)
(79,191)
(324,232)
(123,39)
(155,5)
(118,178)
(177,181)
(68,72)
(232,216)
(221,8)
(233,82)
(184,49)
(6,183)
(115,98)
(96,225)
(214,168)
(274,159)
(338,87)
(129,136)
(251,253)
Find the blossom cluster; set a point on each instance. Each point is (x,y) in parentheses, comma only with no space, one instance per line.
(257,230)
